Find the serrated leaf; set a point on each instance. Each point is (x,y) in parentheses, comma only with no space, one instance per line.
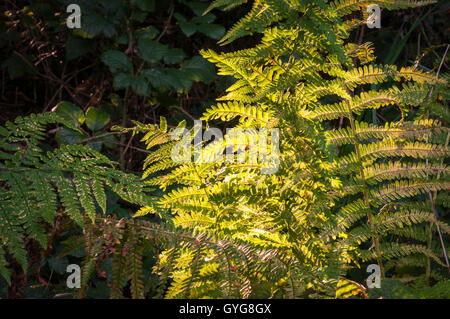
(199,69)
(151,51)
(179,80)
(96,119)
(204,19)
(138,84)
(198,7)
(95,25)
(145,5)
(157,77)
(122,81)
(59,265)
(212,30)
(70,112)
(188,28)
(174,56)
(117,61)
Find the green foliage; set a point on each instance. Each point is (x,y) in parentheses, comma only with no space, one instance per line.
(35,184)
(349,190)
(202,22)
(89,126)
(146,64)
(342,196)
(151,61)
(395,289)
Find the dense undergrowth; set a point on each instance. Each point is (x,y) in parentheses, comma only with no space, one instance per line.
(360,177)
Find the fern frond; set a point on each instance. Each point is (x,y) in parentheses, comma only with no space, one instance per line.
(344,7)
(231,110)
(395,170)
(403,189)
(34,184)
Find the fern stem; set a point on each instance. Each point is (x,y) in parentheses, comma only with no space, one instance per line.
(430,240)
(436,215)
(98,136)
(124,123)
(375,240)
(433,208)
(207,194)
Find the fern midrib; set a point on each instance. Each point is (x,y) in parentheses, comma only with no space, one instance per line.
(375,240)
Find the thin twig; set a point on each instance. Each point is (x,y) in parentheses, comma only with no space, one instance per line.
(433,207)
(182,110)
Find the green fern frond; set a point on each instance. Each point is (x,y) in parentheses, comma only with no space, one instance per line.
(35,184)
(227,112)
(404,188)
(394,170)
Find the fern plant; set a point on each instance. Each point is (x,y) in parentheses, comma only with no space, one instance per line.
(35,183)
(347,191)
